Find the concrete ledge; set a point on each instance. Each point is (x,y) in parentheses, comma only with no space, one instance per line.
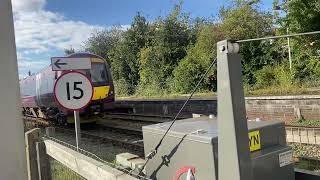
(83,165)
(283,97)
(214,98)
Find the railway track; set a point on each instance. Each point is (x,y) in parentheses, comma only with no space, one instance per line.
(108,134)
(140,117)
(118,134)
(132,122)
(118,129)
(131,141)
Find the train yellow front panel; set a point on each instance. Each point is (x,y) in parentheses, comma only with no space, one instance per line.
(100,92)
(97,60)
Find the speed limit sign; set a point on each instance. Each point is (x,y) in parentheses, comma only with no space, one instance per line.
(73,90)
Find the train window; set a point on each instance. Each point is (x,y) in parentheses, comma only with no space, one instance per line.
(98,74)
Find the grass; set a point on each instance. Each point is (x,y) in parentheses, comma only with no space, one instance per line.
(305,123)
(167,96)
(270,91)
(281,91)
(61,172)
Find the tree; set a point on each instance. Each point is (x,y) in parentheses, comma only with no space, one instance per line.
(125,55)
(200,56)
(69,51)
(244,22)
(171,38)
(102,41)
(303,16)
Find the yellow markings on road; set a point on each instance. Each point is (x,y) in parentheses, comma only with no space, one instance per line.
(254,140)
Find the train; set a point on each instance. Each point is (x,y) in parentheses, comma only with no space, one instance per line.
(37,92)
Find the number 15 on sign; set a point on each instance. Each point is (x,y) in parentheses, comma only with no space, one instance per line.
(73,91)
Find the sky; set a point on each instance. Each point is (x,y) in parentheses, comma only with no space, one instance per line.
(44,28)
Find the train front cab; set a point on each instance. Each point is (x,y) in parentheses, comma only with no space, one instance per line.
(103,91)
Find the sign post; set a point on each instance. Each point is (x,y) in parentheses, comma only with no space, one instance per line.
(73,91)
(77,127)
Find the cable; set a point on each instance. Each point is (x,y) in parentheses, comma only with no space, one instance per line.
(277,37)
(154,151)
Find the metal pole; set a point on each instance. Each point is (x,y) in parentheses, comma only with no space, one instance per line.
(77,127)
(12,151)
(233,142)
(289,51)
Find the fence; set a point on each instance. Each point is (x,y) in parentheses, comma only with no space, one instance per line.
(49,159)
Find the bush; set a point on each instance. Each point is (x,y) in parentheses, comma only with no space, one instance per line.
(190,69)
(306,69)
(186,76)
(264,77)
(152,89)
(122,88)
(277,76)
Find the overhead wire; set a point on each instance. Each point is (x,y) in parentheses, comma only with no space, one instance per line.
(277,37)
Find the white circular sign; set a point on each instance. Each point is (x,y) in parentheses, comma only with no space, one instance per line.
(73,90)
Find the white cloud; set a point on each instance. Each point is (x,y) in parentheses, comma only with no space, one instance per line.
(27,5)
(26,64)
(41,32)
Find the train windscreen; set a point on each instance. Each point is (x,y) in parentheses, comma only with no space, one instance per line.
(98,73)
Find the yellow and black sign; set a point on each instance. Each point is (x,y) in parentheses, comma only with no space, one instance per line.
(254,141)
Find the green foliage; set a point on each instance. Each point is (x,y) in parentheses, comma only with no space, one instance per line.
(244,22)
(122,87)
(170,54)
(274,76)
(158,61)
(61,172)
(307,68)
(303,16)
(199,57)
(103,41)
(305,122)
(69,51)
(124,57)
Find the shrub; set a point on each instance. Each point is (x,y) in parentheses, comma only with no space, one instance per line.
(122,88)
(279,76)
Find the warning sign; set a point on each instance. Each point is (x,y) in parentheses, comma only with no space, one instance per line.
(254,140)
